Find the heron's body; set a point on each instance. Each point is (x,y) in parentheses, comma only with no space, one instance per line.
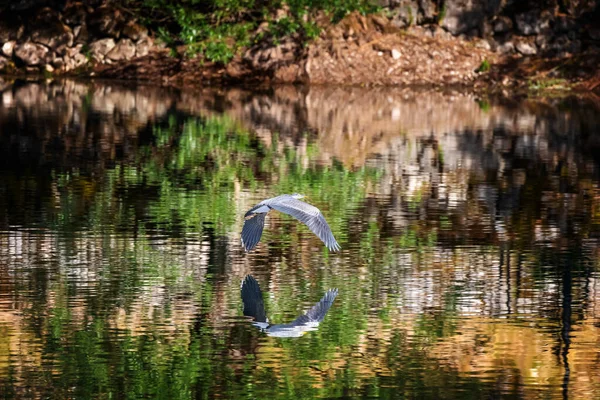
(254,307)
(288,204)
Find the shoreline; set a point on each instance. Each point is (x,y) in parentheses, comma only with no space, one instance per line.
(360,50)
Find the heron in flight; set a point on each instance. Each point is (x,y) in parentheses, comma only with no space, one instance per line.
(254,307)
(288,204)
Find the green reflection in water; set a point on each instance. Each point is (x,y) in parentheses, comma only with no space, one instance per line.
(110,340)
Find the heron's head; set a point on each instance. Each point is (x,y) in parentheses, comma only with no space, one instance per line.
(298,196)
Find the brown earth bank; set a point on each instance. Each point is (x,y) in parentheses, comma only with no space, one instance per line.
(528,48)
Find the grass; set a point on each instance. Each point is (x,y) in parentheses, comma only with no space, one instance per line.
(218,29)
(548,84)
(484,66)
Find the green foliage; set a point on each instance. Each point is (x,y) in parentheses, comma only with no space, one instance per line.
(442,12)
(484,105)
(484,66)
(218,29)
(548,84)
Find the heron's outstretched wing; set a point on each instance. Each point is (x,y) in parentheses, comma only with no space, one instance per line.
(311,217)
(252,230)
(252,299)
(318,311)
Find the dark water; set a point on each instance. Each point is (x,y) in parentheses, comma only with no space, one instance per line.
(469,233)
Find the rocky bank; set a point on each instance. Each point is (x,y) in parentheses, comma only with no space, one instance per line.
(475,43)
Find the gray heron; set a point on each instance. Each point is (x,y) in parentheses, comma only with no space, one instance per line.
(255,308)
(289,204)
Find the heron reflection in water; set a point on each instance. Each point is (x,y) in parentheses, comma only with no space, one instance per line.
(289,204)
(254,307)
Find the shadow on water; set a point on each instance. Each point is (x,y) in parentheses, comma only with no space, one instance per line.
(469,234)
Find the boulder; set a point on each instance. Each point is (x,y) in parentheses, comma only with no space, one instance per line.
(564,24)
(462,16)
(532,22)
(143,47)
(58,62)
(11,27)
(124,50)
(75,13)
(81,33)
(427,11)
(31,54)
(4,62)
(100,48)
(74,59)
(266,57)
(135,31)
(105,21)
(503,24)
(49,30)
(8,48)
(526,48)
(404,15)
(506,48)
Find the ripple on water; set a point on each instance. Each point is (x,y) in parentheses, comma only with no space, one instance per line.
(469,234)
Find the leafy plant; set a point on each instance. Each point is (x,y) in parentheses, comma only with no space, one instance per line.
(218,29)
(442,13)
(484,66)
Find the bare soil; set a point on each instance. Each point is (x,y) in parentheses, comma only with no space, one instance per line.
(369,51)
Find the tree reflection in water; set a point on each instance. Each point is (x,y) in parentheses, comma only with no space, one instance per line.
(470,235)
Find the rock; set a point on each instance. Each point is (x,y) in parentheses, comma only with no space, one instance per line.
(380,22)
(461,16)
(81,33)
(439,33)
(266,57)
(49,30)
(404,16)
(562,44)
(75,13)
(135,31)
(31,54)
(483,44)
(564,24)
(4,63)
(503,24)
(487,30)
(506,48)
(8,48)
(396,54)
(541,41)
(49,68)
(532,22)
(77,49)
(11,27)
(105,21)
(574,46)
(101,48)
(58,63)
(62,50)
(79,60)
(427,11)
(75,58)
(526,48)
(573,35)
(142,47)
(124,50)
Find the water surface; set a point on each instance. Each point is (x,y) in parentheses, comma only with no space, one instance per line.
(469,233)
